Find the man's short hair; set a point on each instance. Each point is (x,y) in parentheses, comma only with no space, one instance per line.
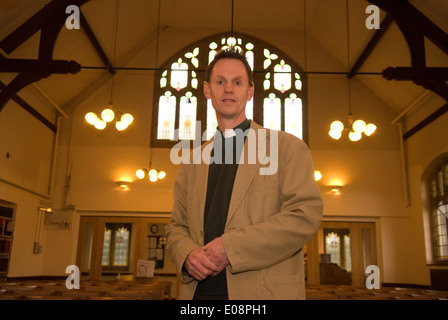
(232,53)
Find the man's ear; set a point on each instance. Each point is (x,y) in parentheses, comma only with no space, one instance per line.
(251,92)
(207,90)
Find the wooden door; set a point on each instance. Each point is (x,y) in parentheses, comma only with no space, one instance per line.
(340,252)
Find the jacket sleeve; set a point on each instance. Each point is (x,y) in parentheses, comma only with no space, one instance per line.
(282,234)
(179,242)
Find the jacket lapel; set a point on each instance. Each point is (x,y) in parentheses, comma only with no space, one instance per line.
(249,167)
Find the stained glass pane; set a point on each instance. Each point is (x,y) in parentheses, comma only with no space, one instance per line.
(179,75)
(106,246)
(434,188)
(213,46)
(282,77)
(194,80)
(167,116)
(121,247)
(269,57)
(442,235)
(333,247)
(347,254)
(192,56)
(212,123)
(438,189)
(187,117)
(298,82)
(293,115)
(250,59)
(272,112)
(446,176)
(250,109)
(163,79)
(267,81)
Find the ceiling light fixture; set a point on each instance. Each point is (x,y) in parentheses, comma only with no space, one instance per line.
(122,120)
(356,128)
(108,115)
(153,174)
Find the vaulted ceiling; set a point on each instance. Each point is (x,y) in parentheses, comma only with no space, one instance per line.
(160,26)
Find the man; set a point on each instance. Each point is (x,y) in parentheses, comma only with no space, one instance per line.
(236,232)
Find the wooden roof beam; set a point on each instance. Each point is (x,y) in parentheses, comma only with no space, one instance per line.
(387,21)
(96,44)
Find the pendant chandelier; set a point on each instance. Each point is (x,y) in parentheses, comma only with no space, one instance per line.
(122,120)
(353,129)
(153,174)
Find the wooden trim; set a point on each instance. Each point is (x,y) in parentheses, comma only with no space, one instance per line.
(428,120)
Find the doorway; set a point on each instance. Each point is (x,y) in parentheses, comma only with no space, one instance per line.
(110,247)
(339,253)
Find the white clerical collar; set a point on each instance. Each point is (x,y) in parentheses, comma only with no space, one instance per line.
(228,133)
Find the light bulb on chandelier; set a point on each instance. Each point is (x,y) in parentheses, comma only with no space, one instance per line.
(355,129)
(153,174)
(107,116)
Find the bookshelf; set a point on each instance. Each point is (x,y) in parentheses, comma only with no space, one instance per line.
(7,214)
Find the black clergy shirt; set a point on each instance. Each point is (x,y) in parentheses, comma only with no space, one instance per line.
(221,177)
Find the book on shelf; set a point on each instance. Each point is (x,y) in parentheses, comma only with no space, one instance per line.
(6,212)
(2,226)
(5,246)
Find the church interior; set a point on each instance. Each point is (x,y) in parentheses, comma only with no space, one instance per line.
(86,198)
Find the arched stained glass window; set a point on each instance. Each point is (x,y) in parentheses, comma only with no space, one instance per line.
(438,203)
(181,112)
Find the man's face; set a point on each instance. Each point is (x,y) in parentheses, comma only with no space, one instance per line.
(229,89)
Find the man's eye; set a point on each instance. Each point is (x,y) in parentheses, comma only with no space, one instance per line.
(237,83)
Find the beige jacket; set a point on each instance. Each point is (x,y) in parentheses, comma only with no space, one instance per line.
(271,217)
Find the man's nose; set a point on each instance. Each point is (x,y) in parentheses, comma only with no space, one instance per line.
(228,87)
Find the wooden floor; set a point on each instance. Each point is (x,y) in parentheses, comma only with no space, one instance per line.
(340,292)
(160,290)
(89,290)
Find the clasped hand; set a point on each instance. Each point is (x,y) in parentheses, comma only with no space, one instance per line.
(208,260)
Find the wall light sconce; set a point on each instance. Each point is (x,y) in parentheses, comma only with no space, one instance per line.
(152,174)
(335,189)
(124,185)
(317,175)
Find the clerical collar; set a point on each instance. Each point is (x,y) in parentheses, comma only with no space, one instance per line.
(228,133)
